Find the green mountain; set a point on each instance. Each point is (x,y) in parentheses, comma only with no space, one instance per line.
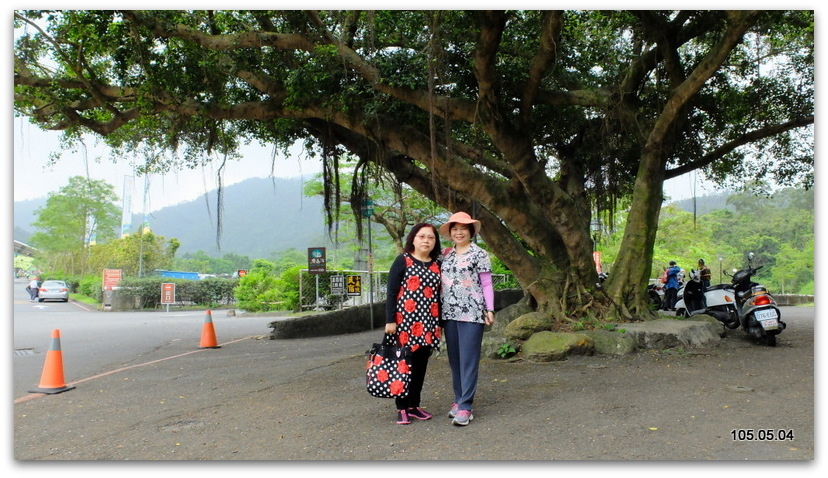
(24,216)
(260,216)
(705,204)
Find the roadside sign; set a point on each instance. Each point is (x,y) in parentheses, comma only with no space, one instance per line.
(111,278)
(338,285)
(316,260)
(168,293)
(354,285)
(367,208)
(241,272)
(596,257)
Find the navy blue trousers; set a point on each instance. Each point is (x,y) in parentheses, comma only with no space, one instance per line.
(463,342)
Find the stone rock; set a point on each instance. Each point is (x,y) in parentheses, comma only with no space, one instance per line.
(547,346)
(720,328)
(611,343)
(491,345)
(506,297)
(505,316)
(670,333)
(527,324)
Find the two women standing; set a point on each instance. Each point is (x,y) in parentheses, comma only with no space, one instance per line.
(418,286)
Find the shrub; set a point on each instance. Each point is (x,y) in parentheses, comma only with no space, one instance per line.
(207,293)
(257,291)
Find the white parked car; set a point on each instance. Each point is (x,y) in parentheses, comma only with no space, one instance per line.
(54,290)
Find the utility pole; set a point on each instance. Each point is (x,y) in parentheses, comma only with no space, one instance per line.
(367,211)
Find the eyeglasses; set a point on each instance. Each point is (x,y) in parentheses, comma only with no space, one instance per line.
(423,237)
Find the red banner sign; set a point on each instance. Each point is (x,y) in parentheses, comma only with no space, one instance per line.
(168,293)
(111,278)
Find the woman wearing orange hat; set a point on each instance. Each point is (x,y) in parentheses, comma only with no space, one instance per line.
(467,306)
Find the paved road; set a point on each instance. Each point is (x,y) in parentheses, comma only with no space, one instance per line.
(304,399)
(96,342)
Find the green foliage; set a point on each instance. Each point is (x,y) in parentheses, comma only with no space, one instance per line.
(587,323)
(779,230)
(288,288)
(91,286)
(136,254)
(396,207)
(498,267)
(506,350)
(257,291)
(77,215)
(203,263)
(211,291)
(206,293)
(23,263)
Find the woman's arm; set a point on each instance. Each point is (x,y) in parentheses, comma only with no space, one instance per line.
(392,289)
(488,295)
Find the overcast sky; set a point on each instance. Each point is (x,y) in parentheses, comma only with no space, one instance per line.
(34,177)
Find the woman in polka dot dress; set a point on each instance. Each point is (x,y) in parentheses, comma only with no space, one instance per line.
(412,311)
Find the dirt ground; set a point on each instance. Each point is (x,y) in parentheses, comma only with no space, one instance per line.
(305,399)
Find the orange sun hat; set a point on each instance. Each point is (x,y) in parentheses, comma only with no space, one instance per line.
(459,218)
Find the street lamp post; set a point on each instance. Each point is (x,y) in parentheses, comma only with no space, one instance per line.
(721,279)
(367,212)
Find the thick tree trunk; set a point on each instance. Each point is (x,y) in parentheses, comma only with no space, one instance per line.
(627,283)
(552,257)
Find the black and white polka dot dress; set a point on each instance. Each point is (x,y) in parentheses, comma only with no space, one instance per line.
(418,304)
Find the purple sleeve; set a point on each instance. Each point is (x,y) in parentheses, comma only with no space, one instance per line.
(488,290)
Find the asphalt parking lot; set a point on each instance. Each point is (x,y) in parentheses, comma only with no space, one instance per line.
(304,399)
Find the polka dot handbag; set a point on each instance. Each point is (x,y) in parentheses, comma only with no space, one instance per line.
(388,369)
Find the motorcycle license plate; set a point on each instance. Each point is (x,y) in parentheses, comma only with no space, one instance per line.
(767,318)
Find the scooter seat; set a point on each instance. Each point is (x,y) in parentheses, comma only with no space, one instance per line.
(720,287)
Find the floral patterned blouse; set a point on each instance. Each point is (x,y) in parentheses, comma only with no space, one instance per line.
(413,301)
(462,292)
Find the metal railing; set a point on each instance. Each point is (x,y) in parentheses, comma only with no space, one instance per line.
(339,289)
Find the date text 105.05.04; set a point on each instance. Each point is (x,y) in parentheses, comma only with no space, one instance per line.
(761,434)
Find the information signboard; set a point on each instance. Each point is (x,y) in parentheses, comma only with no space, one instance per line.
(354,285)
(337,285)
(111,278)
(316,260)
(168,293)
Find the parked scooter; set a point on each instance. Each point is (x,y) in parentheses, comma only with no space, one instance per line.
(741,303)
(655,295)
(758,312)
(718,301)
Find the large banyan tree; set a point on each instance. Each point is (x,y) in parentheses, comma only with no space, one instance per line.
(534,121)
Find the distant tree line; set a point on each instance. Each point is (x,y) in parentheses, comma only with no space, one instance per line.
(778,229)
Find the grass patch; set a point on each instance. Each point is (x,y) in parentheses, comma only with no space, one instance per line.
(84,299)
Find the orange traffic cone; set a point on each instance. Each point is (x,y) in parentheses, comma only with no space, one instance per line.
(208,333)
(51,381)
